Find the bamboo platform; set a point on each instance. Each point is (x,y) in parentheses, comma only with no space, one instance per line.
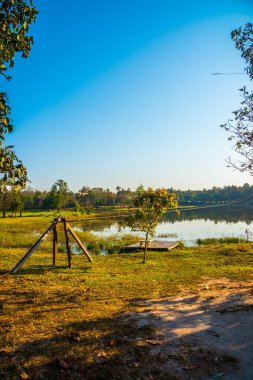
(154,245)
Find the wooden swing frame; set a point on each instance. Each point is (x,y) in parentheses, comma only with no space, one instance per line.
(54,227)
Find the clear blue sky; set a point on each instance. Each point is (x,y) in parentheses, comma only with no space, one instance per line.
(121,93)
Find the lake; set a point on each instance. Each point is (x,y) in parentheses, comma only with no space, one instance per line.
(215,222)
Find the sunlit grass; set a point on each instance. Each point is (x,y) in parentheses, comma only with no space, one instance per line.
(222,240)
(49,312)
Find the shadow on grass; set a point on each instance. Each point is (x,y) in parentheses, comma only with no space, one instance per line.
(40,269)
(140,345)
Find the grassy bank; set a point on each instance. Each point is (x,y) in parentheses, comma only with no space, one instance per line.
(223,240)
(58,323)
(102,211)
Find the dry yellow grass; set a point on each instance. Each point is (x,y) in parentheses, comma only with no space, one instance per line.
(58,323)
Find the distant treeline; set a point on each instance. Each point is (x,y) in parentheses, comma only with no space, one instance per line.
(214,195)
(59,197)
(88,199)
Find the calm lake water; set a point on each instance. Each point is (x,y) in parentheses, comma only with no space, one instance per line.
(190,225)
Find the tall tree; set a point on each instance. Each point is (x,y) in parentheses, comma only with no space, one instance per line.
(59,194)
(5,197)
(16,204)
(15,18)
(87,199)
(240,128)
(150,206)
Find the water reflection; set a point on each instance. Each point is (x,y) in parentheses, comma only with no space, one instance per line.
(188,226)
(228,214)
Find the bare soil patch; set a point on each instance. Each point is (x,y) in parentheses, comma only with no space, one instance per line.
(205,335)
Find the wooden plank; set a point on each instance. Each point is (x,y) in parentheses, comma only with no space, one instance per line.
(157,245)
(79,242)
(35,246)
(67,242)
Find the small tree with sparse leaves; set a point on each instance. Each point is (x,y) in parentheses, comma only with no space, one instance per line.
(150,206)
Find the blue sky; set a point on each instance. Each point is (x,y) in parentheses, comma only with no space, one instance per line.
(121,93)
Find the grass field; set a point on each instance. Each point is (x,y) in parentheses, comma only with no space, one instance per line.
(58,323)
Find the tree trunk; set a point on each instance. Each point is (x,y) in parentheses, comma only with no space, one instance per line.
(146,249)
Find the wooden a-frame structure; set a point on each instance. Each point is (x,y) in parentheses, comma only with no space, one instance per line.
(53,227)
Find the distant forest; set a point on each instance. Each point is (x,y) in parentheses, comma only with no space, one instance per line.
(88,199)
(215,195)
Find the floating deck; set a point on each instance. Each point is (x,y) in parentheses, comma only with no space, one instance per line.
(155,245)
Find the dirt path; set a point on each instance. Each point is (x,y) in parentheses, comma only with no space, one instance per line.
(208,335)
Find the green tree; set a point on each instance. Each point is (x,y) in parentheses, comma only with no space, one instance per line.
(59,194)
(77,206)
(123,197)
(150,206)
(5,197)
(16,204)
(87,199)
(240,128)
(15,19)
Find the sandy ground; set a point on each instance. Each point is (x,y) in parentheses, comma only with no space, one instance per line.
(206,335)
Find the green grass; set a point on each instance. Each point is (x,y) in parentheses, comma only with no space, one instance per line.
(70,214)
(48,314)
(223,240)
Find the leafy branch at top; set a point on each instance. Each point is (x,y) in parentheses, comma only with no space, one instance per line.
(15,18)
(243,39)
(240,128)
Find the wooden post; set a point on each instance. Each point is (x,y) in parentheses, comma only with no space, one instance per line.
(146,249)
(35,246)
(55,244)
(67,241)
(79,242)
